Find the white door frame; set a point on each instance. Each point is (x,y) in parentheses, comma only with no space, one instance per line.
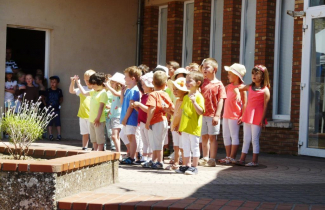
(311,13)
(47,45)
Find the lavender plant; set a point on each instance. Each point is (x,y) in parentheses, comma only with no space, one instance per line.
(25,126)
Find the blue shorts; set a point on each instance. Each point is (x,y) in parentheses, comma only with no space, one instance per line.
(56,120)
(11,103)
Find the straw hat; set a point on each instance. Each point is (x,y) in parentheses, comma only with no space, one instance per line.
(118,77)
(147,79)
(237,69)
(179,71)
(180,84)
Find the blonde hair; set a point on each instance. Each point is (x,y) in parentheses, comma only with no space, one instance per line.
(134,71)
(213,62)
(173,64)
(89,72)
(265,74)
(197,76)
(159,79)
(20,74)
(194,67)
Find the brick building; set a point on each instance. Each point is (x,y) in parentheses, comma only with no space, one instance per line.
(253,32)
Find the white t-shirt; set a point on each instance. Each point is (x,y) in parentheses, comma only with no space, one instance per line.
(85,88)
(10,86)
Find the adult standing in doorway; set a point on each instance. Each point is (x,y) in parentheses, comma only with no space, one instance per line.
(11,63)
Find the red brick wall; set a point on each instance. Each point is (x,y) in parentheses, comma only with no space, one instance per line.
(201,32)
(175,31)
(150,36)
(231,35)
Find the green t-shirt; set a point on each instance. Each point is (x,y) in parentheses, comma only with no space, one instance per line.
(83,111)
(109,102)
(95,99)
(191,121)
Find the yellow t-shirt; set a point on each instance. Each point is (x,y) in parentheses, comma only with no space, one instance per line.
(191,121)
(84,106)
(95,99)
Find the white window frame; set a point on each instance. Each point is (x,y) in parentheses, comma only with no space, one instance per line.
(184,30)
(212,37)
(47,45)
(159,27)
(276,64)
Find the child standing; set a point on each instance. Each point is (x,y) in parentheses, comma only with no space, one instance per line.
(84,106)
(255,112)
(233,111)
(191,123)
(21,85)
(129,116)
(54,98)
(31,91)
(115,85)
(147,86)
(10,88)
(214,94)
(98,99)
(156,120)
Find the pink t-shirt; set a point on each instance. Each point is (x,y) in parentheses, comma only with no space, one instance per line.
(255,106)
(233,109)
(142,116)
(212,92)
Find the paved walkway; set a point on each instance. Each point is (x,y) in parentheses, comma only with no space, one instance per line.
(278,179)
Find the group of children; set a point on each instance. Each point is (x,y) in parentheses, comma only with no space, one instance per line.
(138,107)
(29,89)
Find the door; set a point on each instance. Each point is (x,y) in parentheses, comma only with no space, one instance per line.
(312,105)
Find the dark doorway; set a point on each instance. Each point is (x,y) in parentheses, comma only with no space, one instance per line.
(28,48)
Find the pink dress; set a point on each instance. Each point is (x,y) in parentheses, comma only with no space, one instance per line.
(255,106)
(233,108)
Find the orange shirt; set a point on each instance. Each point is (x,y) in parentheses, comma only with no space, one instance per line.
(212,92)
(159,100)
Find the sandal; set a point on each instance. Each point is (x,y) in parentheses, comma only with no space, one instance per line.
(240,163)
(223,160)
(172,161)
(251,164)
(128,161)
(172,167)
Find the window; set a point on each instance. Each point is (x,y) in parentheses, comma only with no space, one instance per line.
(188,32)
(283,60)
(247,37)
(162,35)
(314,3)
(216,33)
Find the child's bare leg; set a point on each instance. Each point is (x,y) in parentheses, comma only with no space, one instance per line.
(195,161)
(85,140)
(243,156)
(228,150)
(255,158)
(133,145)
(213,146)
(159,156)
(176,152)
(58,128)
(205,146)
(100,147)
(95,145)
(201,152)
(187,161)
(154,156)
(50,130)
(128,149)
(116,138)
(182,154)
(234,149)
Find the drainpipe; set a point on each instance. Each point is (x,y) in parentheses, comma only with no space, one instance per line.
(139,32)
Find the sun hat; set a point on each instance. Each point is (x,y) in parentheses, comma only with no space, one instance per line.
(55,77)
(161,68)
(179,71)
(9,70)
(237,69)
(118,77)
(180,84)
(147,79)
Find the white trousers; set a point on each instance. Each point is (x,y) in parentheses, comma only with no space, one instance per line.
(230,132)
(251,134)
(190,144)
(145,138)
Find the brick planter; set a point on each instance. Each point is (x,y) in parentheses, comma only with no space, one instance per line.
(40,184)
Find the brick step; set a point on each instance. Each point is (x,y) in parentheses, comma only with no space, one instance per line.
(102,201)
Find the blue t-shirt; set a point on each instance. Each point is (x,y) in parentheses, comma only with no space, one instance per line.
(115,111)
(53,98)
(130,94)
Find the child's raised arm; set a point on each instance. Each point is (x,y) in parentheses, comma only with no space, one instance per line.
(122,94)
(199,110)
(71,87)
(114,92)
(266,101)
(82,90)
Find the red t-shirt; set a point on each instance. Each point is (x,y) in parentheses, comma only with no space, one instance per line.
(142,116)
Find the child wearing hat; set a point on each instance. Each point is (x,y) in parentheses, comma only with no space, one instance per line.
(113,125)
(233,111)
(10,88)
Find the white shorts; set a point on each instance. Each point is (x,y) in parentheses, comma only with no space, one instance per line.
(127,130)
(157,134)
(190,144)
(207,127)
(84,126)
(177,139)
(138,139)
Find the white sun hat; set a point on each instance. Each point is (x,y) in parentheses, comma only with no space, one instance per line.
(9,70)
(161,68)
(237,69)
(147,79)
(118,77)
(179,71)
(180,84)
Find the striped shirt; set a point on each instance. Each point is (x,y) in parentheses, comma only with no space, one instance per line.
(12,64)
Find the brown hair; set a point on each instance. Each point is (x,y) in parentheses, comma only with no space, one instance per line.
(134,71)
(97,79)
(197,76)
(265,75)
(213,62)
(144,69)
(159,79)
(173,64)
(194,67)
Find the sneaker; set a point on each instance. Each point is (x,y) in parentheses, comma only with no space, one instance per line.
(84,148)
(191,171)
(211,163)
(147,164)
(181,169)
(202,162)
(251,164)
(58,138)
(51,138)
(157,165)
